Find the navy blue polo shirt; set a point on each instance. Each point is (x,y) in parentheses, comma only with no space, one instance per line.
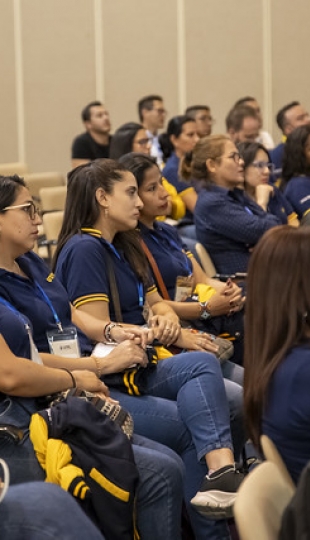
(229,223)
(297,191)
(82,269)
(280,207)
(166,247)
(12,329)
(26,298)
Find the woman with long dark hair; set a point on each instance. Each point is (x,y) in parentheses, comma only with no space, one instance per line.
(296,172)
(277,344)
(101,213)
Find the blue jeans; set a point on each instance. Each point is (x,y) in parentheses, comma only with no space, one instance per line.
(39,511)
(160,475)
(186,409)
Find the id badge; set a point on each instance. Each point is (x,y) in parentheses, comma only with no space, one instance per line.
(64,343)
(183,288)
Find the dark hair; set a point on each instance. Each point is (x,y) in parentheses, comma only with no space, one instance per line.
(122,140)
(9,188)
(86,112)
(243,100)
(234,119)
(193,109)
(294,159)
(82,209)
(147,103)
(278,319)
(193,165)
(281,115)
(137,164)
(248,151)
(175,127)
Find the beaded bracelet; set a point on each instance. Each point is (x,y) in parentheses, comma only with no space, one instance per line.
(71,375)
(107,332)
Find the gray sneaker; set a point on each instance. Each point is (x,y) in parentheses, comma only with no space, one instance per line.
(216,497)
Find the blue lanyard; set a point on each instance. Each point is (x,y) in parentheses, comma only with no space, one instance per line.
(140,294)
(50,305)
(16,312)
(248,210)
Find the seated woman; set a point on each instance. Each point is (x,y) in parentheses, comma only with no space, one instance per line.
(180,138)
(132,137)
(296,172)
(177,273)
(228,222)
(277,344)
(198,429)
(257,170)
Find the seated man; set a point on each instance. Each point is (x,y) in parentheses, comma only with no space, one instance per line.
(264,137)
(203,118)
(290,117)
(95,142)
(242,124)
(152,115)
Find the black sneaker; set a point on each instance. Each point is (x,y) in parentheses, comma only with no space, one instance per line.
(218,492)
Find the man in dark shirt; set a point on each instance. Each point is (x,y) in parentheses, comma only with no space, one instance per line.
(95,142)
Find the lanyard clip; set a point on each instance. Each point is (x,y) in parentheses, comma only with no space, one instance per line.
(59,326)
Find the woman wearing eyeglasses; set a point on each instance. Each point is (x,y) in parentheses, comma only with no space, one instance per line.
(133,137)
(257,170)
(228,222)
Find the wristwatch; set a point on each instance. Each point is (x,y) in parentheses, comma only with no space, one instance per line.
(204,311)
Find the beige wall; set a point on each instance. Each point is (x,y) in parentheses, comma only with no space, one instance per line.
(58,55)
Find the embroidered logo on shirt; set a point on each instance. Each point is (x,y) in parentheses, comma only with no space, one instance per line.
(50,277)
(305,199)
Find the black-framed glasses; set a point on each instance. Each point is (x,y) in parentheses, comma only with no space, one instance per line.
(235,156)
(261,165)
(30,209)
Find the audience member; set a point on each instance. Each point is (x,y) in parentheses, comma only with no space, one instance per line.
(38,510)
(180,138)
(257,171)
(203,118)
(242,124)
(228,222)
(264,137)
(277,348)
(296,172)
(177,274)
(95,142)
(103,196)
(290,117)
(152,115)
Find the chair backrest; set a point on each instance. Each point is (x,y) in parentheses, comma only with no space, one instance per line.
(271,454)
(260,503)
(205,260)
(52,222)
(7,169)
(36,181)
(53,198)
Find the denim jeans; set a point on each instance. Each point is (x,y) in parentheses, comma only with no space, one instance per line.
(160,475)
(186,409)
(39,511)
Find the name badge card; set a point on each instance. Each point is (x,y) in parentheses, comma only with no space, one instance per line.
(64,343)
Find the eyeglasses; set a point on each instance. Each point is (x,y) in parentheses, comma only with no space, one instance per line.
(30,209)
(143,142)
(235,156)
(261,165)
(160,111)
(205,118)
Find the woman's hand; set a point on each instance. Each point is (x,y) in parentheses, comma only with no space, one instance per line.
(263,193)
(196,341)
(123,356)
(90,382)
(142,336)
(229,300)
(165,329)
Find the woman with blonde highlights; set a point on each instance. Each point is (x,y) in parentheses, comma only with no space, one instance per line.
(277,344)
(228,223)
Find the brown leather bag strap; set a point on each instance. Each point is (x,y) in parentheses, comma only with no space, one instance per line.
(114,289)
(159,279)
